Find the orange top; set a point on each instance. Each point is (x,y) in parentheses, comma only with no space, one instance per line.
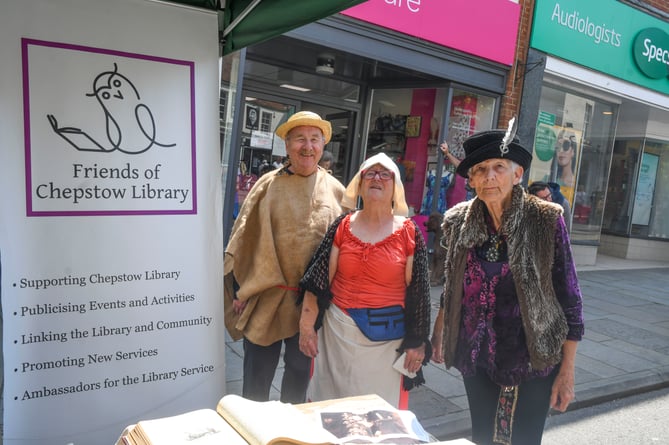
(371,275)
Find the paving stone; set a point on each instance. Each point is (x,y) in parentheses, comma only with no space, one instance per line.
(644,326)
(424,403)
(661,358)
(613,357)
(651,313)
(624,300)
(582,375)
(631,334)
(442,382)
(594,335)
(586,366)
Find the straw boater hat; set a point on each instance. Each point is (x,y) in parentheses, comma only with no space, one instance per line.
(488,145)
(400,206)
(305,118)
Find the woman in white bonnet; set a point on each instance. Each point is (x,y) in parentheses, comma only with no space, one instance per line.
(371,266)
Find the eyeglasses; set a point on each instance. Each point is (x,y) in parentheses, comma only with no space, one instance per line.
(547,197)
(299,140)
(383,175)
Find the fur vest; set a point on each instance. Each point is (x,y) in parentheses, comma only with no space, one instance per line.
(529,226)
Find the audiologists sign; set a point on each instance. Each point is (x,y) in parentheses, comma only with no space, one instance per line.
(606,36)
(110,226)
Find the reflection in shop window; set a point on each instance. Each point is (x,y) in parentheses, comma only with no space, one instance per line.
(659,222)
(572,147)
(638,185)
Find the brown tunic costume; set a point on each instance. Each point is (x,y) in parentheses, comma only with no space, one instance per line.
(280,225)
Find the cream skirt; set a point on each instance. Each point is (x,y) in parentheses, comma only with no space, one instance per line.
(349,364)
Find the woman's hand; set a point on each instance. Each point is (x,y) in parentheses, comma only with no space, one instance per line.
(437,352)
(309,342)
(438,338)
(414,358)
(444,148)
(563,387)
(308,335)
(563,390)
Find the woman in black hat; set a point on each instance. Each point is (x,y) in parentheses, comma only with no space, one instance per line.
(511,310)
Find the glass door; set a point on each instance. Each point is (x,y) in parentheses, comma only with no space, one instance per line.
(342,123)
(260,149)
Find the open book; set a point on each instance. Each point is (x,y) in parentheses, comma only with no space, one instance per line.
(238,421)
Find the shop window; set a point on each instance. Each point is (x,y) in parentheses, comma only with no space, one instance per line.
(266,122)
(261,149)
(406,124)
(620,190)
(639,181)
(658,173)
(573,147)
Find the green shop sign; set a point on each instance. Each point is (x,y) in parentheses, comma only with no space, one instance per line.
(606,36)
(651,52)
(544,141)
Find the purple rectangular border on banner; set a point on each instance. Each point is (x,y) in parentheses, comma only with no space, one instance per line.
(25,42)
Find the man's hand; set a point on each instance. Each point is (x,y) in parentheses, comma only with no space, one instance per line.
(238,306)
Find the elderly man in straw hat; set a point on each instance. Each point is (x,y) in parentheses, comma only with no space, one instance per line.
(280,224)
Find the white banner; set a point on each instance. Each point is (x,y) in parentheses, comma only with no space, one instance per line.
(110,219)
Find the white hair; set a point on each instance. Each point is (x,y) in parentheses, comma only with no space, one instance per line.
(514,166)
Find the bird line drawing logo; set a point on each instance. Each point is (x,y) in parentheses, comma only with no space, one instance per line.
(129,122)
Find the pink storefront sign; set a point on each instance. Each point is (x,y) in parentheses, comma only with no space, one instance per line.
(484,28)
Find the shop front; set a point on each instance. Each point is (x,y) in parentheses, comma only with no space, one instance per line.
(599,134)
(385,83)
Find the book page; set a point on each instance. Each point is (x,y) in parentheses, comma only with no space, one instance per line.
(374,426)
(200,427)
(271,423)
(367,419)
(454,442)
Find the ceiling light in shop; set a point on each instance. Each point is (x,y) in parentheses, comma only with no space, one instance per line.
(294,87)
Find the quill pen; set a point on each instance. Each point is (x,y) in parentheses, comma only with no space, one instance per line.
(508,136)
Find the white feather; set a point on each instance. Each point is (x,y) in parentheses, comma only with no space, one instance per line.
(508,136)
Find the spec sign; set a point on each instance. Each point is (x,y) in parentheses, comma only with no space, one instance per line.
(651,52)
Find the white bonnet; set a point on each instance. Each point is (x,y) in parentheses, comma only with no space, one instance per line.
(400,206)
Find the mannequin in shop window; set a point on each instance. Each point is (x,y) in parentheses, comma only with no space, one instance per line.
(431,184)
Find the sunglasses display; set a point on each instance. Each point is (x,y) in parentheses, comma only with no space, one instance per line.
(568,144)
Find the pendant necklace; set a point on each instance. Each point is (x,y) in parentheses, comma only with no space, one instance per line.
(493,250)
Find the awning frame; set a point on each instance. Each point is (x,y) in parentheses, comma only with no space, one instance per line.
(228,29)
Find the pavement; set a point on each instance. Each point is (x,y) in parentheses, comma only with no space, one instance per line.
(625,349)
